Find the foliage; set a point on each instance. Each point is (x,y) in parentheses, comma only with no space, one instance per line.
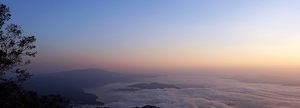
(15,47)
(14,96)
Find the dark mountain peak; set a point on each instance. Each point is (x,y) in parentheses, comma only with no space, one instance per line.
(88,70)
(84,78)
(153,85)
(71,83)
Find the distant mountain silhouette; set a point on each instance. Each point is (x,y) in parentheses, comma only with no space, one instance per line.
(267,80)
(153,85)
(85,78)
(71,83)
(291,83)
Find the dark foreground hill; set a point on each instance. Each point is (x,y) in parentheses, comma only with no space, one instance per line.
(70,84)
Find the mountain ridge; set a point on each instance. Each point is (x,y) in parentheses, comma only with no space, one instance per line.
(70,84)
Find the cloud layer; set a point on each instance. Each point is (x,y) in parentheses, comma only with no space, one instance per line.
(204,92)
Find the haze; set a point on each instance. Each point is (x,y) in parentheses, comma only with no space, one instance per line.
(162,36)
(166,53)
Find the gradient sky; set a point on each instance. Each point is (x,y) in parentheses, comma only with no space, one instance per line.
(160,35)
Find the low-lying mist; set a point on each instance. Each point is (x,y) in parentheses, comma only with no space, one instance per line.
(203,91)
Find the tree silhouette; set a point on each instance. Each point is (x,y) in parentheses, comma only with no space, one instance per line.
(14,47)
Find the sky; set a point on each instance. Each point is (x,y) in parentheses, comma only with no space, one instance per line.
(161,35)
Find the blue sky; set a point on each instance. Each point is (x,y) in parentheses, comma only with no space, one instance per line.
(145,35)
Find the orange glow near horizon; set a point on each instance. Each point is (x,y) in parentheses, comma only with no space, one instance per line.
(181,35)
(268,57)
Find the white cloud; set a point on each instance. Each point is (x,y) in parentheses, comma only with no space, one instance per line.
(206,92)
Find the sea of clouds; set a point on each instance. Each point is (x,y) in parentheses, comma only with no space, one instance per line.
(200,92)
